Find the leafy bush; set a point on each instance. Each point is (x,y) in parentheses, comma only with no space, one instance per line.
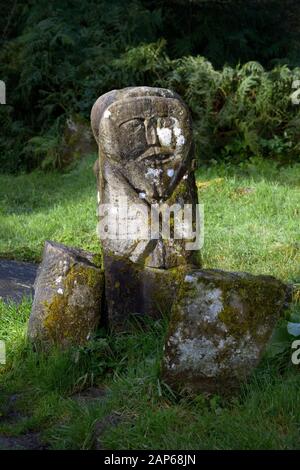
(239,112)
(57,57)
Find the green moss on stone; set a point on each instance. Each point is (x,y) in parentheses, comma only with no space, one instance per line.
(68,322)
(256,302)
(98,260)
(82,275)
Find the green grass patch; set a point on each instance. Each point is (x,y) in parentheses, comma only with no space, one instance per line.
(48,206)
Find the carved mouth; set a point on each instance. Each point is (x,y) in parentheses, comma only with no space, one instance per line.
(157,154)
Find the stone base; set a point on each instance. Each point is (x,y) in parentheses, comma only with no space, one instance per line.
(68,297)
(131,289)
(220,325)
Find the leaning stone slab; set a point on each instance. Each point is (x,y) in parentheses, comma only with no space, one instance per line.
(220,325)
(68,297)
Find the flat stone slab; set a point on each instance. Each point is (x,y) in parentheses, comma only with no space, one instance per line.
(16,279)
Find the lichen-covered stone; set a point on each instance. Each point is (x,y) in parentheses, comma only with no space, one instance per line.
(68,297)
(220,325)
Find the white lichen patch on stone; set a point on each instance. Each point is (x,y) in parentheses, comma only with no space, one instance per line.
(153,174)
(189,278)
(177,131)
(107,114)
(164,136)
(176,337)
(65,267)
(207,304)
(198,354)
(180,141)
(213,298)
(114,210)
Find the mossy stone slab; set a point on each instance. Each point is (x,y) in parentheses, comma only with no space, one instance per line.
(220,325)
(68,300)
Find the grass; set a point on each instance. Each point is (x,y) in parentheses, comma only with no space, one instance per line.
(265,415)
(40,206)
(251,215)
(252,219)
(251,223)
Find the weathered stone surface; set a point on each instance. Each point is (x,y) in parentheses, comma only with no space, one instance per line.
(68,297)
(220,325)
(131,289)
(16,280)
(144,173)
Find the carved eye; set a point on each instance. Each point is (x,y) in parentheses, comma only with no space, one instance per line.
(133,126)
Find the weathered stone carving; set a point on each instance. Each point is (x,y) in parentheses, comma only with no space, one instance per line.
(145,150)
(67,305)
(144,170)
(220,325)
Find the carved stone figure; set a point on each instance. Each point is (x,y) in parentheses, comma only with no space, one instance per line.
(146,189)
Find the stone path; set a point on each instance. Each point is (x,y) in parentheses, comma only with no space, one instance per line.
(16,279)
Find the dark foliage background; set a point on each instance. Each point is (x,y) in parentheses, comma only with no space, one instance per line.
(234,62)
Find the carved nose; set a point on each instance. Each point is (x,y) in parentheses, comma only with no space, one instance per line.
(151,135)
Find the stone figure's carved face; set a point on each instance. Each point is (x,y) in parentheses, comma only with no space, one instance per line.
(149,138)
